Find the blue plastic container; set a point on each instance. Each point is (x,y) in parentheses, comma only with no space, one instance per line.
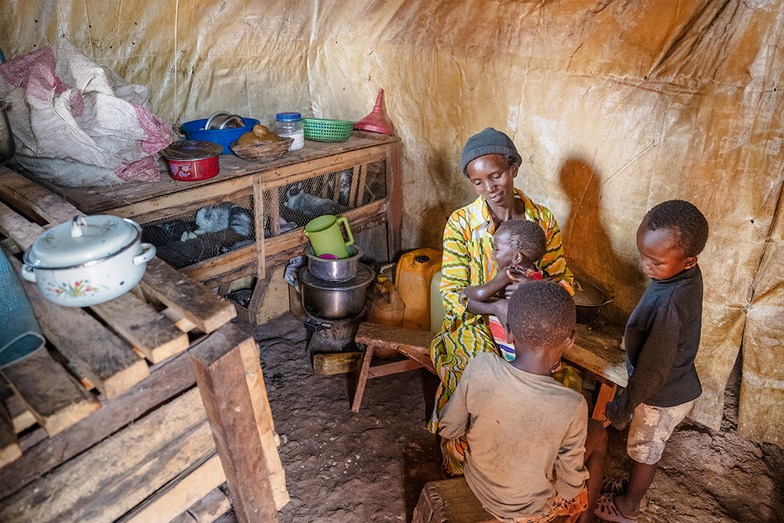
(195,130)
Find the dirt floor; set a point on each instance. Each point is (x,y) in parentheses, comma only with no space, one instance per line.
(343,466)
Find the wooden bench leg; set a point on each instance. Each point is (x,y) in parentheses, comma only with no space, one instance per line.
(606,394)
(364,371)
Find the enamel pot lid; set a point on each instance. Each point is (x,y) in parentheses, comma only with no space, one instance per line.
(85,240)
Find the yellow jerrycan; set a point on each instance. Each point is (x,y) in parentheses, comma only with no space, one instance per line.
(414,274)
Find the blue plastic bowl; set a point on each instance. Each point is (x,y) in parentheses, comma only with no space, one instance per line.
(195,130)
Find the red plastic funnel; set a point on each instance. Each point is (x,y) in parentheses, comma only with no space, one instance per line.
(376,121)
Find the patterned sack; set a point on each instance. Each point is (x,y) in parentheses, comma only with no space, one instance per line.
(77,123)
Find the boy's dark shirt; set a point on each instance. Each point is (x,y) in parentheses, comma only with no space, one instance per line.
(661,340)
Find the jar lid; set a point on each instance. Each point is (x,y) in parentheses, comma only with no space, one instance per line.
(288,117)
(85,240)
(191,150)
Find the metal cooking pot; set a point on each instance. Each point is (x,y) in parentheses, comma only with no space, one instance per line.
(90,260)
(330,300)
(338,269)
(7,147)
(588,300)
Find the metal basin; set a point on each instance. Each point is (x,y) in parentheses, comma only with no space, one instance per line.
(335,300)
(334,269)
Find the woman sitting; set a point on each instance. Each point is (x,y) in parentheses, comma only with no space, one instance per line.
(491,162)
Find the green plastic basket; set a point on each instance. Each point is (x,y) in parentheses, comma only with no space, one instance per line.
(323,130)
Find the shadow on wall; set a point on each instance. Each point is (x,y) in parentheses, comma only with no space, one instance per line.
(441,191)
(589,251)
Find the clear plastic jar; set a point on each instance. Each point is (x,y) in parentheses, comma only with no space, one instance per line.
(289,125)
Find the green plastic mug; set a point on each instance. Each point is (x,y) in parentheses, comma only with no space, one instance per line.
(326,238)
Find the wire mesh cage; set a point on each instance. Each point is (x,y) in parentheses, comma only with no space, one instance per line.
(217,227)
(212,230)
(293,205)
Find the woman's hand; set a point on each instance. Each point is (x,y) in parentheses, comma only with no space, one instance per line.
(516,283)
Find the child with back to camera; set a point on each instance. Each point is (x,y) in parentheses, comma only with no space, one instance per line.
(532,455)
(661,339)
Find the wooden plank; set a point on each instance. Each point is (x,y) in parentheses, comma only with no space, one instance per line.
(599,353)
(178,320)
(117,474)
(143,327)
(352,193)
(180,493)
(195,302)
(395,198)
(391,337)
(336,363)
(232,388)
(55,398)
(233,261)
(309,169)
(385,369)
(258,217)
(185,201)
(166,381)
(92,200)
(34,199)
(361,186)
(9,445)
(206,510)
(21,231)
(22,418)
(98,354)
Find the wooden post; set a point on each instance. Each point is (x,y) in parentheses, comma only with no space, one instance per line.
(395,198)
(228,373)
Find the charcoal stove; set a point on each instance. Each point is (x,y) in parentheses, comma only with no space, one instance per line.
(328,336)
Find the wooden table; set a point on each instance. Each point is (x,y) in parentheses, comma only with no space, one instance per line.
(136,408)
(597,352)
(600,354)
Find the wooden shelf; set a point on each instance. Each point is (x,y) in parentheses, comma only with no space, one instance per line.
(260,185)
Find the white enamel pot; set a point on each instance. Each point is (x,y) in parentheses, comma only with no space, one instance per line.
(87,261)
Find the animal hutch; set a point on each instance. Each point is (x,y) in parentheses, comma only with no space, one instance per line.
(250,217)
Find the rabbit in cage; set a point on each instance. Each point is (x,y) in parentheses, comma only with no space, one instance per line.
(241,221)
(226,215)
(309,204)
(213,218)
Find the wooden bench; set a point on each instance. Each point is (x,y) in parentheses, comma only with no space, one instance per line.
(452,501)
(449,501)
(414,345)
(596,352)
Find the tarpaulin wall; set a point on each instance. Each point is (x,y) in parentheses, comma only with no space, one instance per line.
(615,106)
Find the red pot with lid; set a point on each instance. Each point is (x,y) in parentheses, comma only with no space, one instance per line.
(193,160)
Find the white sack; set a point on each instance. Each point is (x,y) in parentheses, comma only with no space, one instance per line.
(77,123)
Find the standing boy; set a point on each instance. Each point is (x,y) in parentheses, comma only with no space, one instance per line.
(529,445)
(661,340)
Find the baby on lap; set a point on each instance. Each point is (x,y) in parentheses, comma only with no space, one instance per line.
(517,247)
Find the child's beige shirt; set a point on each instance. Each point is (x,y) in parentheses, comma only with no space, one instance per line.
(526,436)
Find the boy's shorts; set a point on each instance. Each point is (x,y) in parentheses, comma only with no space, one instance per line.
(558,508)
(650,429)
